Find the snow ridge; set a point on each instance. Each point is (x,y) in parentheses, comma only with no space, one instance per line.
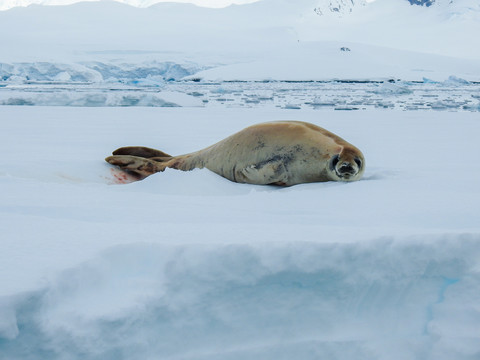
(184,302)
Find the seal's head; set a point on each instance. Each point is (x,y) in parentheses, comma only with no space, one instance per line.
(348,165)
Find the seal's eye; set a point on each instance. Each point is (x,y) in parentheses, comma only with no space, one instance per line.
(359,162)
(334,162)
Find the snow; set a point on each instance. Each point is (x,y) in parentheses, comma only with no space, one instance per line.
(326,61)
(188,265)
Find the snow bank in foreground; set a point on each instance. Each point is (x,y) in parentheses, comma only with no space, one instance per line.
(384,299)
(188,265)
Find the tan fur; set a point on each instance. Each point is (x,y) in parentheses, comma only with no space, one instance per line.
(282,153)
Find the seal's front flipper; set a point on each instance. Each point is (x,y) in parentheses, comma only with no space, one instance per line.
(141,151)
(140,166)
(268,173)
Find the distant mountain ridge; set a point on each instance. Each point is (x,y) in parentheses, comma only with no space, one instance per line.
(449,8)
(321,7)
(338,6)
(422,2)
(249,30)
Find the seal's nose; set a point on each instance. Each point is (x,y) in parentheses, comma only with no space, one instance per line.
(345,168)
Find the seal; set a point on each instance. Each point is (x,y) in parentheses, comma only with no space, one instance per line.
(281,153)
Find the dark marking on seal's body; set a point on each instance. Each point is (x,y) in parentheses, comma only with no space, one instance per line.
(282,153)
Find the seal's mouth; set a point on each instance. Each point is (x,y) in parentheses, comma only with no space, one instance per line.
(345,170)
(345,176)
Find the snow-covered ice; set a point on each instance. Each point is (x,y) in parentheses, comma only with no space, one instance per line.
(188,265)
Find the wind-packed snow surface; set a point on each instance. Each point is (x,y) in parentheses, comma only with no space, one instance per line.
(188,265)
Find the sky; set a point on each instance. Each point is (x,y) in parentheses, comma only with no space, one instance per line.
(8,4)
(215,3)
(205,3)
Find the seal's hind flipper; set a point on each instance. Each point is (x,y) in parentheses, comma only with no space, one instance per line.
(141,151)
(138,165)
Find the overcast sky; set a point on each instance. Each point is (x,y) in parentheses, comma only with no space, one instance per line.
(216,3)
(7,4)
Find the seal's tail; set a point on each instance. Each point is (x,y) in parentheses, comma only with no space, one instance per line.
(141,161)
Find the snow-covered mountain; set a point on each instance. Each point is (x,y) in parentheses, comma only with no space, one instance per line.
(422,2)
(296,34)
(325,8)
(339,7)
(447,7)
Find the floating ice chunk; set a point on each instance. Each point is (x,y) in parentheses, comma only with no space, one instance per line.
(94,99)
(347,108)
(221,90)
(453,80)
(429,81)
(180,98)
(17,102)
(446,105)
(392,89)
(471,107)
(91,100)
(292,107)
